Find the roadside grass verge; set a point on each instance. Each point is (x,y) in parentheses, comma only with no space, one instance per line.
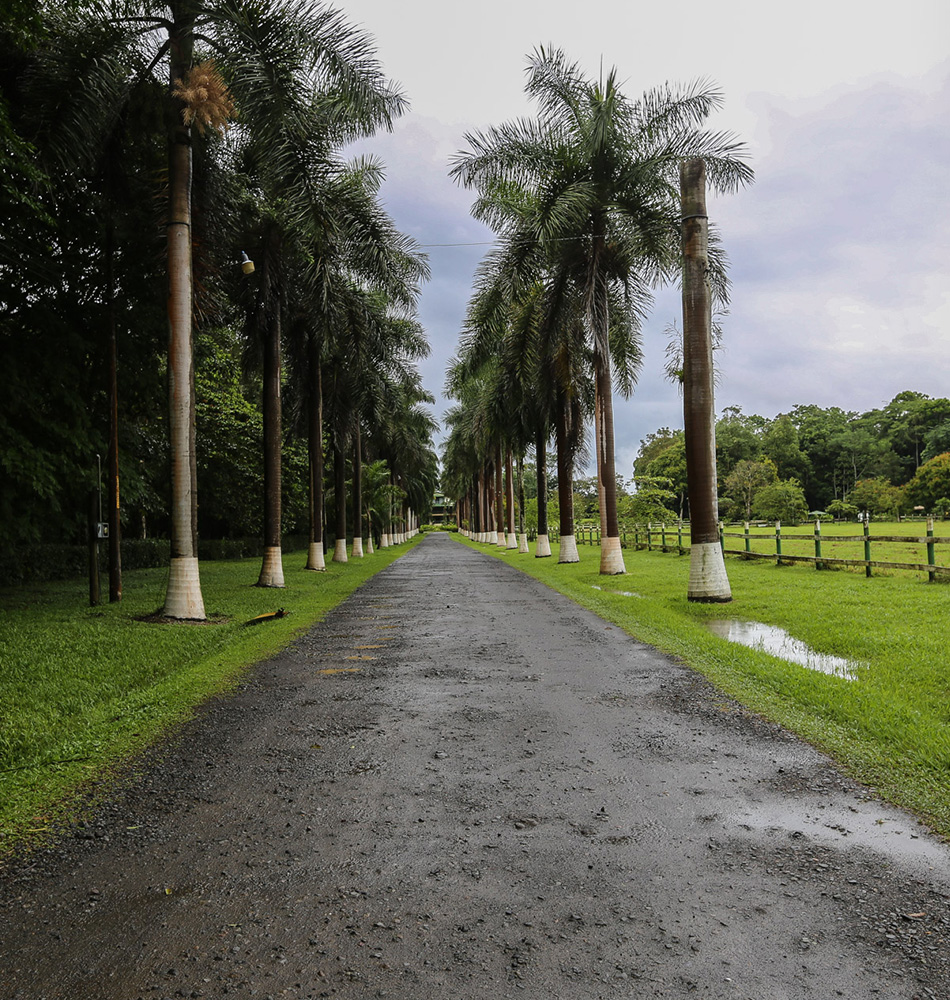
(889,727)
(83,690)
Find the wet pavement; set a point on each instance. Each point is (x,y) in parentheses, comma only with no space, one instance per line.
(461,785)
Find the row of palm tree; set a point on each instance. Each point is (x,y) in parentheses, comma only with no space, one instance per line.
(254,100)
(585,202)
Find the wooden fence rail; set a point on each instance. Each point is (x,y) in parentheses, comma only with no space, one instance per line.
(664,538)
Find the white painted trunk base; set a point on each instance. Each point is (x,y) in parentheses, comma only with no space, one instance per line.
(500,540)
(272,568)
(357,552)
(512,542)
(369,546)
(523,544)
(542,548)
(339,551)
(315,559)
(611,557)
(385,541)
(568,550)
(183,598)
(707,574)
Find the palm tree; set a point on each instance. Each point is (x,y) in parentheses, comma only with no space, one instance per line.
(602,172)
(356,294)
(287,54)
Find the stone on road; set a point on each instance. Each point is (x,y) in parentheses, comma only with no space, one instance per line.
(462,785)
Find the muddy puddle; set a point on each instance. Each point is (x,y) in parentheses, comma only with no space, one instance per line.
(777,642)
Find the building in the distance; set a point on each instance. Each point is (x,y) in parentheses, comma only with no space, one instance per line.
(443,510)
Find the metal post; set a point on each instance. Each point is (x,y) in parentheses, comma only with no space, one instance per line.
(778,543)
(818,564)
(93,539)
(867,546)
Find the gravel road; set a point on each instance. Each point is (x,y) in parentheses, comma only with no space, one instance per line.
(460,785)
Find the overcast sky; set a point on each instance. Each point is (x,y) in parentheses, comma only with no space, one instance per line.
(840,252)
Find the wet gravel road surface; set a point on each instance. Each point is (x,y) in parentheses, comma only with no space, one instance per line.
(461,785)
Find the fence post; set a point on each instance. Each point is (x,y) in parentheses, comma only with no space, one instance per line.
(649,542)
(867,546)
(748,541)
(817,544)
(679,537)
(778,543)
(931,561)
(663,537)
(722,535)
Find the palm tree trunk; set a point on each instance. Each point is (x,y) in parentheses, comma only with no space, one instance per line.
(543,546)
(482,505)
(183,597)
(565,484)
(522,533)
(511,541)
(707,571)
(611,554)
(475,509)
(499,499)
(315,555)
(339,496)
(272,571)
(357,494)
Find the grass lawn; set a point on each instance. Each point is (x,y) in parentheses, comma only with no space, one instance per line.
(83,689)
(889,727)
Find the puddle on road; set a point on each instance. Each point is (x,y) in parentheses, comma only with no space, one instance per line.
(834,821)
(777,642)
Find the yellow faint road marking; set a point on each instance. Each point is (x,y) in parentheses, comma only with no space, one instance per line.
(379,646)
(359,657)
(340,670)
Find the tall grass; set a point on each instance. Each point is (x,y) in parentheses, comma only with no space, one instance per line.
(890,727)
(83,689)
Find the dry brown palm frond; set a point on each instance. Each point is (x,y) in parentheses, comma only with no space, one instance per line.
(206,98)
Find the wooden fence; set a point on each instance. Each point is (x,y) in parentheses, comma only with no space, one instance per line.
(675,538)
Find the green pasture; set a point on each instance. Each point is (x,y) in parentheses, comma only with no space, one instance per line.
(889,728)
(83,689)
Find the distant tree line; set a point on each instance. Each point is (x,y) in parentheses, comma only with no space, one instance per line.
(886,462)
(225,118)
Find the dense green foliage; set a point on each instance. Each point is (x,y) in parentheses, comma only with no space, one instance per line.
(885,462)
(84,116)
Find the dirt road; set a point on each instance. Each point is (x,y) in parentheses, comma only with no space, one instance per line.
(461,785)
